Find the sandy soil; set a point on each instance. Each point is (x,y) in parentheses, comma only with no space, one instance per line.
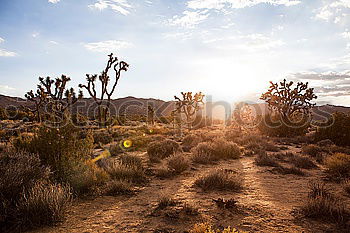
(265,205)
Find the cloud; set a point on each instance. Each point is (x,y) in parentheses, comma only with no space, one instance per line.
(54,1)
(5,53)
(53,42)
(4,89)
(120,6)
(327,84)
(333,11)
(250,42)
(108,46)
(237,4)
(189,19)
(35,34)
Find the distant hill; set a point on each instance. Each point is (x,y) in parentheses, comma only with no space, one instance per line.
(132,105)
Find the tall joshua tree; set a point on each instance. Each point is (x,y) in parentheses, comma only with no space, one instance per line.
(287,100)
(53,97)
(108,86)
(189,105)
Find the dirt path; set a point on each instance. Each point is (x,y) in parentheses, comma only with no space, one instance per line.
(265,205)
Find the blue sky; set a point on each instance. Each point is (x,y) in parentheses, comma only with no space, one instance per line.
(229,49)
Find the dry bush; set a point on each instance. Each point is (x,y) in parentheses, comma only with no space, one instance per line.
(159,150)
(207,228)
(219,148)
(131,160)
(102,137)
(302,162)
(166,201)
(118,187)
(346,186)
(125,172)
(177,163)
(219,180)
(189,209)
(321,204)
(312,150)
(338,166)
(262,159)
(115,150)
(190,141)
(288,170)
(233,135)
(43,204)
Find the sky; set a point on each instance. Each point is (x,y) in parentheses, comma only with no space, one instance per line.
(228,49)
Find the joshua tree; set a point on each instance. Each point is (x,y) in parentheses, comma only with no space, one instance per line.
(53,97)
(150,114)
(189,105)
(105,91)
(287,100)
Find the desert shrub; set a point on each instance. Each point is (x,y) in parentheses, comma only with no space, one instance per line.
(125,172)
(312,150)
(115,150)
(58,148)
(166,201)
(131,161)
(84,177)
(302,162)
(177,163)
(190,141)
(219,148)
(219,180)
(337,129)
(274,126)
(118,187)
(189,209)
(346,186)
(207,228)
(321,204)
(338,165)
(262,159)
(102,137)
(158,150)
(233,135)
(43,204)
(288,170)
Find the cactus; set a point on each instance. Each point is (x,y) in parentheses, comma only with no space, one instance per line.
(188,105)
(102,103)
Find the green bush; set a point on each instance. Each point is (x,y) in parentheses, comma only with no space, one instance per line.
(62,149)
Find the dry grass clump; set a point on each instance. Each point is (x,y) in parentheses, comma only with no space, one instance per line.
(346,186)
(126,172)
(338,166)
(177,163)
(321,204)
(118,187)
(219,148)
(44,204)
(312,150)
(219,180)
(190,141)
(302,162)
(207,228)
(159,150)
(166,201)
(288,170)
(262,159)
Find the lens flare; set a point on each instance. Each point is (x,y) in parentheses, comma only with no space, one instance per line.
(151,131)
(127,143)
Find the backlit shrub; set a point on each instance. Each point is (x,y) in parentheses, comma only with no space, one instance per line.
(159,150)
(338,165)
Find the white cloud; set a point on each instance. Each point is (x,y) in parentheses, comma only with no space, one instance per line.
(249,43)
(35,34)
(5,53)
(4,89)
(120,6)
(333,11)
(108,46)
(220,4)
(54,1)
(53,42)
(1,40)
(189,19)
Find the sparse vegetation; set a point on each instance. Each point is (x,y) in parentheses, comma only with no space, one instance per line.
(338,166)
(207,228)
(117,187)
(263,159)
(159,150)
(219,180)
(177,163)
